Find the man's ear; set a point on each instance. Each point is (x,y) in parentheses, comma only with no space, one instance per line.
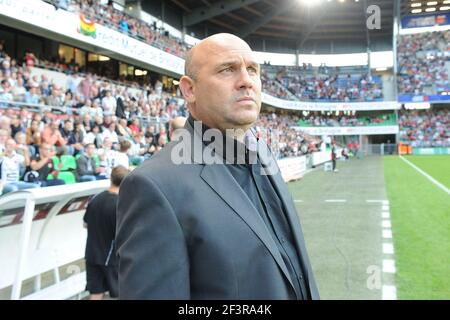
(187,88)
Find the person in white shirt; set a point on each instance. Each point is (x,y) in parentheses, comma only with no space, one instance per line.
(110,133)
(94,136)
(109,104)
(10,165)
(108,158)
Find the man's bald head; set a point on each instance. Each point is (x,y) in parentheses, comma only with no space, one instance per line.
(222,84)
(210,45)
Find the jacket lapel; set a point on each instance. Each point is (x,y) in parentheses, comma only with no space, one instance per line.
(293,219)
(223,183)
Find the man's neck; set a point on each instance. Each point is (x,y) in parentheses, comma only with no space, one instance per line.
(232,144)
(113,189)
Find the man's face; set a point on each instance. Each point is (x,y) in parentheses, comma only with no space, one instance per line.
(45,150)
(10,145)
(90,150)
(227,86)
(69,126)
(3,137)
(107,143)
(6,86)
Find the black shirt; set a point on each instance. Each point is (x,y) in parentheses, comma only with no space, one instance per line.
(264,197)
(45,170)
(100,217)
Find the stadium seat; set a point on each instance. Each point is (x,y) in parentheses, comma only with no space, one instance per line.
(55,161)
(67,176)
(97,160)
(69,163)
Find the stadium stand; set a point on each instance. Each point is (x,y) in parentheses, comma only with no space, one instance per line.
(325,84)
(424,63)
(425,128)
(112,18)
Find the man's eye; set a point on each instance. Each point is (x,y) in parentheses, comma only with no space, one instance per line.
(229,69)
(252,70)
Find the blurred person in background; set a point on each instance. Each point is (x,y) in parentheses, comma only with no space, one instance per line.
(100,254)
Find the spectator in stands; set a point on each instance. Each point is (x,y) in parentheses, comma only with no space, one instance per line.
(73,140)
(33,137)
(135,126)
(87,169)
(23,150)
(138,149)
(72,83)
(5,93)
(100,221)
(41,166)
(52,136)
(94,136)
(108,156)
(123,130)
(16,125)
(85,87)
(11,165)
(4,135)
(32,96)
(109,104)
(176,124)
(122,155)
(149,146)
(110,133)
(55,100)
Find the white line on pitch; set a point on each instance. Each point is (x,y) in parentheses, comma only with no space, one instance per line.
(298,200)
(336,200)
(389,293)
(388,266)
(385,215)
(385,207)
(378,201)
(435,182)
(388,248)
(387,234)
(386,224)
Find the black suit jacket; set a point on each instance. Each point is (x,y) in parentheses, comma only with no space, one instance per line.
(190,232)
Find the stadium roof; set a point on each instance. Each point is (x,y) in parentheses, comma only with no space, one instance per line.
(290,21)
(326,26)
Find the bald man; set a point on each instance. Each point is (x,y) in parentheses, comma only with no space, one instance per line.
(207,217)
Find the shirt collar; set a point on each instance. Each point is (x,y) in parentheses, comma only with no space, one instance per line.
(230,149)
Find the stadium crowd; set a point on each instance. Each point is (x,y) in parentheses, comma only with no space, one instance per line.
(326,85)
(330,119)
(283,135)
(423,63)
(110,17)
(425,128)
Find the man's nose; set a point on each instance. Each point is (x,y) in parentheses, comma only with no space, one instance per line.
(245,81)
